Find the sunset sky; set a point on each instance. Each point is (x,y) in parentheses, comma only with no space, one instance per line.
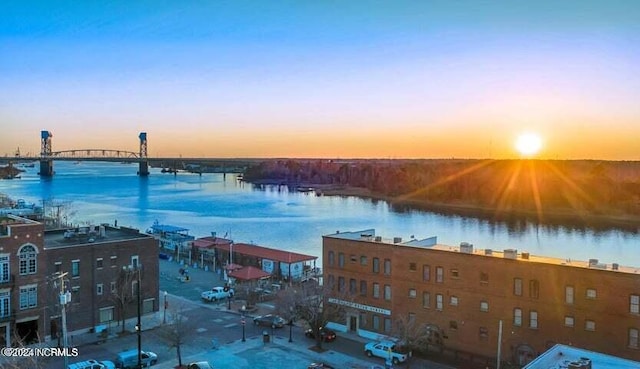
(334,79)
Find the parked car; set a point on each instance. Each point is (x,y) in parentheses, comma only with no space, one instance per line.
(200,365)
(319,366)
(385,350)
(270,320)
(217,293)
(92,364)
(129,359)
(327,334)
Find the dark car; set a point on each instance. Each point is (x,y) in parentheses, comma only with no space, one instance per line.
(319,366)
(269,320)
(327,334)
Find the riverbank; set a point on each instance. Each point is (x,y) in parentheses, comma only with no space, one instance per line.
(567,218)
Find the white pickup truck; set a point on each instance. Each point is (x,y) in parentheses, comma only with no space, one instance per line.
(217,293)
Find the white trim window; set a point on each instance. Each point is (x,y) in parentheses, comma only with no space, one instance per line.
(5,304)
(28,296)
(28,255)
(5,271)
(634,304)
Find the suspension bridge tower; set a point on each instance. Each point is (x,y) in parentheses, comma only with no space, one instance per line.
(143,168)
(46,160)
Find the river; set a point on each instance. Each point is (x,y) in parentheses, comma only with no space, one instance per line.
(295,221)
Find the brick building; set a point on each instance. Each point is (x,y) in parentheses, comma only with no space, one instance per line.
(463,295)
(102,263)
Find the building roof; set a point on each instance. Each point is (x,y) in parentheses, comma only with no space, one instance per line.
(167,228)
(369,235)
(562,357)
(209,242)
(249,273)
(89,235)
(265,253)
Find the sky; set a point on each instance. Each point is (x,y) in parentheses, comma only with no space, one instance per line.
(322,79)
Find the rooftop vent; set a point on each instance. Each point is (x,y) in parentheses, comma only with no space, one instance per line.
(488,252)
(466,248)
(510,254)
(397,239)
(525,255)
(615,266)
(378,239)
(593,262)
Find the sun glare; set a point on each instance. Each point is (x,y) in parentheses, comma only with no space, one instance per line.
(528,144)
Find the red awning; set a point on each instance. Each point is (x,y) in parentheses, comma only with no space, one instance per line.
(233,267)
(249,273)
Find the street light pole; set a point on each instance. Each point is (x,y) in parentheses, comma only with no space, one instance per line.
(243,323)
(164,317)
(229,300)
(139,326)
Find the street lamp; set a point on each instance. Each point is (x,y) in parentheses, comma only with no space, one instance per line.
(164,317)
(243,323)
(229,301)
(290,322)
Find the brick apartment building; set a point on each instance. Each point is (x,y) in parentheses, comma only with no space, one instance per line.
(101,262)
(462,294)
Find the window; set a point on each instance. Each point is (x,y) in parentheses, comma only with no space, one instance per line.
(484,306)
(387,267)
(376,265)
(426,273)
(340,260)
(387,292)
(455,273)
(387,325)
(413,267)
(75,289)
(633,338)
(353,286)
(4,268)
(484,277)
(28,297)
(332,281)
(453,325)
(533,319)
(135,261)
(517,286)
(439,302)
(439,275)
(362,322)
(75,268)
(341,284)
(147,305)
(376,322)
(99,288)
(412,318)
(534,289)
(58,267)
(426,300)
(363,260)
(114,261)
(517,317)
(589,325)
(5,304)
(591,293)
(113,286)
(353,258)
(106,314)
(332,258)
(412,293)
(453,301)
(483,333)
(634,304)
(28,256)
(99,263)
(568,321)
(568,294)
(376,290)
(363,288)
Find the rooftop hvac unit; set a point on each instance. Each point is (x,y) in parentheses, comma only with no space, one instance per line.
(510,254)
(615,266)
(397,239)
(488,252)
(102,231)
(525,255)
(466,247)
(593,262)
(378,239)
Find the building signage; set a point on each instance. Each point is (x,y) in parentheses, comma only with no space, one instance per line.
(267,265)
(355,305)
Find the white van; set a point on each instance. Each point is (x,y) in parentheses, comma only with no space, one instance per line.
(92,364)
(129,359)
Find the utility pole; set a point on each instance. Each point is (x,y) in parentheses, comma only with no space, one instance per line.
(139,326)
(64,298)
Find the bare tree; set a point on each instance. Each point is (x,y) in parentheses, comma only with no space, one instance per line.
(175,332)
(124,292)
(22,361)
(307,302)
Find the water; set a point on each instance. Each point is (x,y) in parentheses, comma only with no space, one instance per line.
(106,192)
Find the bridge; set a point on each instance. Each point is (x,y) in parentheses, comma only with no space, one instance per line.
(48,156)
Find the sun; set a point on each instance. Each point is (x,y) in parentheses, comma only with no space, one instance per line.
(528,144)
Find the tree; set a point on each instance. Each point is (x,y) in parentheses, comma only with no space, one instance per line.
(307,302)
(23,362)
(124,294)
(175,332)
(415,337)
